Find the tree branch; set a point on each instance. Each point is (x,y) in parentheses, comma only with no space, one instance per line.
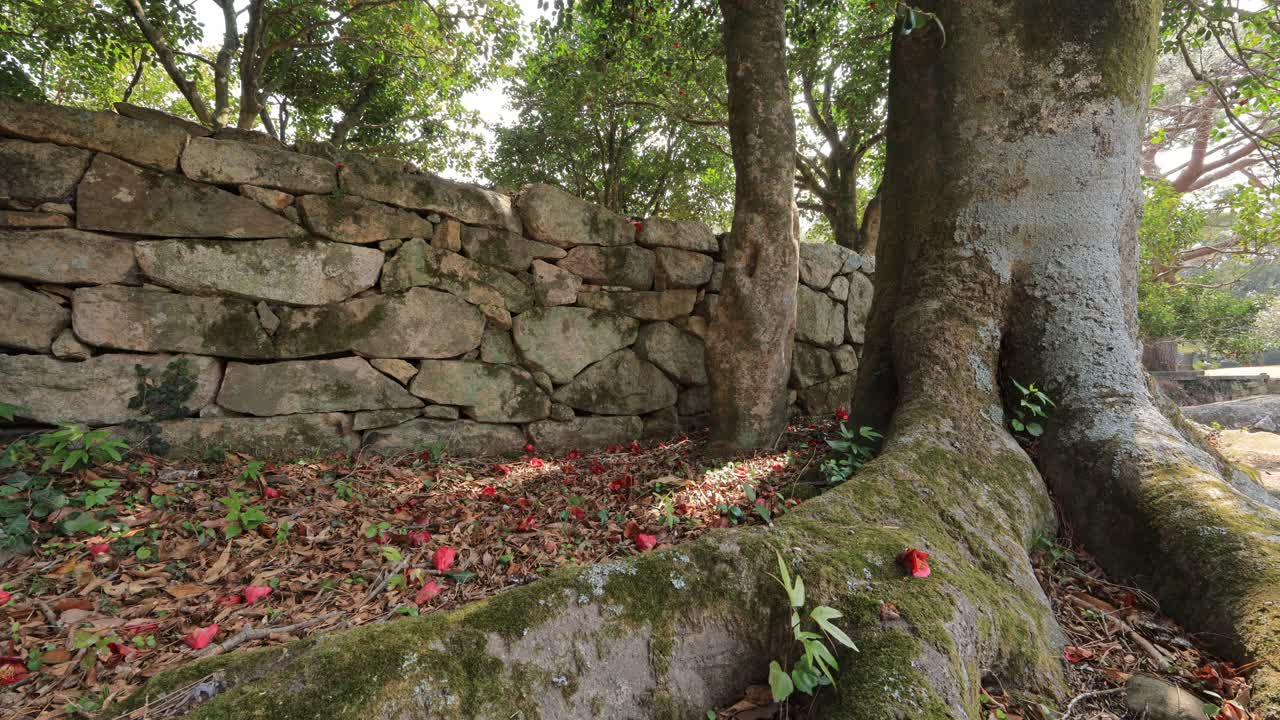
(167,60)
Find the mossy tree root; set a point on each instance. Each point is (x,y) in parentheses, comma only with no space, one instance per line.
(674,633)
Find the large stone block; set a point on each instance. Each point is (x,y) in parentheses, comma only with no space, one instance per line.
(681,234)
(118,197)
(386,181)
(155,146)
(418,323)
(67,257)
(554,286)
(554,216)
(40,172)
(289,271)
(503,249)
(660,305)
(310,386)
(127,318)
(352,219)
(560,341)
(819,319)
(227,162)
(32,220)
(621,384)
(489,393)
(819,262)
(160,117)
(31,320)
(825,398)
(286,436)
(858,307)
(679,354)
(418,264)
(585,432)
(459,437)
(683,268)
(96,391)
(810,365)
(626,266)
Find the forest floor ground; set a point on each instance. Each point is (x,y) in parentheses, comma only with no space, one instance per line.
(144,564)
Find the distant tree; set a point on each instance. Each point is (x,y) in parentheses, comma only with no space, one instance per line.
(617,103)
(372,74)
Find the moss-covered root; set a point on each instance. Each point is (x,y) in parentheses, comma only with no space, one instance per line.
(1204,539)
(672,634)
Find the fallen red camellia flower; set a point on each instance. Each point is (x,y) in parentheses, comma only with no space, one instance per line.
(1073,654)
(577,512)
(230,600)
(419,537)
(842,414)
(645,543)
(99,548)
(528,524)
(200,638)
(428,591)
(502,469)
(443,558)
(271,493)
(120,649)
(916,563)
(12,669)
(528,447)
(489,491)
(5,596)
(254,593)
(536,462)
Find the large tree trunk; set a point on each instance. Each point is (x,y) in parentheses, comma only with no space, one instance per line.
(1011,201)
(1010,218)
(749,341)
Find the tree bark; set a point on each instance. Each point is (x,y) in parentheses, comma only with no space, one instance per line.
(749,340)
(1010,217)
(869,230)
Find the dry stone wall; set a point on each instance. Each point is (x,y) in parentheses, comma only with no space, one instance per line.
(199,291)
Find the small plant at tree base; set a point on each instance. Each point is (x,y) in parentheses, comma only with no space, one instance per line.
(852,451)
(1030,414)
(815,666)
(241,517)
(73,446)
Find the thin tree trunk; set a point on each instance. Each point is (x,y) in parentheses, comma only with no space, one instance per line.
(749,341)
(869,230)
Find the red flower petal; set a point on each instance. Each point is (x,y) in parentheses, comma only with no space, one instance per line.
(12,669)
(528,447)
(916,563)
(271,493)
(120,649)
(200,638)
(443,558)
(577,512)
(536,462)
(428,591)
(489,491)
(99,548)
(502,469)
(842,414)
(646,543)
(254,593)
(5,596)
(1074,654)
(230,600)
(528,524)
(419,537)
(573,455)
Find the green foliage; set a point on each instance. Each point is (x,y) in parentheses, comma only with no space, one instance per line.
(241,517)
(620,104)
(73,446)
(852,451)
(24,498)
(1192,284)
(164,400)
(814,667)
(1030,414)
(9,412)
(252,470)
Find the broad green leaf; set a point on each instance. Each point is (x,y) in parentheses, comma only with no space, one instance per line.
(823,615)
(779,682)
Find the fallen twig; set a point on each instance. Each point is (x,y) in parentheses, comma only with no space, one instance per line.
(250,633)
(1088,696)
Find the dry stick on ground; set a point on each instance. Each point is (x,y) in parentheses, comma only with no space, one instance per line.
(1088,696)
(1091,603)
(250,633)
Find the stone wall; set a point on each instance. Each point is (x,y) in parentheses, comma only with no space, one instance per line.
(200,291)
